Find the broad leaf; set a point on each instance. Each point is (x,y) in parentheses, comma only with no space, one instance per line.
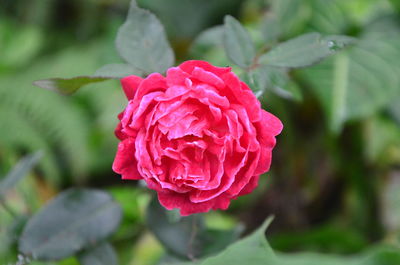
(70,222)
(356,83)
(178,235)
(117,70)
(18,172)
(68,86)
(254,249)
(291,15)
(187,237)
(141,41)
(271,29)
(101,254)
(304,50)
(237,43)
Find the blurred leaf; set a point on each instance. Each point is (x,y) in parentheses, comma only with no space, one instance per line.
(253,249)
(391,202)
(101,254)
(382,136)
(281,84)
(329,16)
(237,43)
(256,80)
(18,172)
(209,46)
(328,238)
(271,30)
(291,15)
(187,237)
(68,86)
(304,50)
(117,70)
(394,109)
(356,83)
(141,41)
(396,4)
(19,45)
(272,79)
(178,236)
(71,221)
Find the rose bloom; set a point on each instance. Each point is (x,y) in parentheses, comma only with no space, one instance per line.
(197,136)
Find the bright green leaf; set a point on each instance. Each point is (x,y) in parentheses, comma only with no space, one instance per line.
(101,254)
(304,50)
(141,41)
(70,222)
(18,172)
(68,86)
(254,249)
(237,43)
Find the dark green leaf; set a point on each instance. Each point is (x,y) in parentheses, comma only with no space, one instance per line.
(304,51)
(141,41)
(18,172)
(68,86)
(237,43)
(178,236)
(70,222)
(187,237)
(101,254)
(117,70)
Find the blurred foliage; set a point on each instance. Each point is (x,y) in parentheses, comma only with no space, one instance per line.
(334,182)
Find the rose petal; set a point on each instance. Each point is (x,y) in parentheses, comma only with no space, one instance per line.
(125,162)
(130,85)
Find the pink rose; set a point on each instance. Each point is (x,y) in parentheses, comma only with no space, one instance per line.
(197,136)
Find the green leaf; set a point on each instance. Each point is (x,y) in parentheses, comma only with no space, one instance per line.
(271,29)
(291,15)
(304,50)
(390,201)
(256,80)
(187,237)
(117,70)
(101,254)
(356,83)
(18,172)
(179,236)
(276,80)
(253,249)
(68,86)
(141,41)
(382,142)
(237,43)
(69,223)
